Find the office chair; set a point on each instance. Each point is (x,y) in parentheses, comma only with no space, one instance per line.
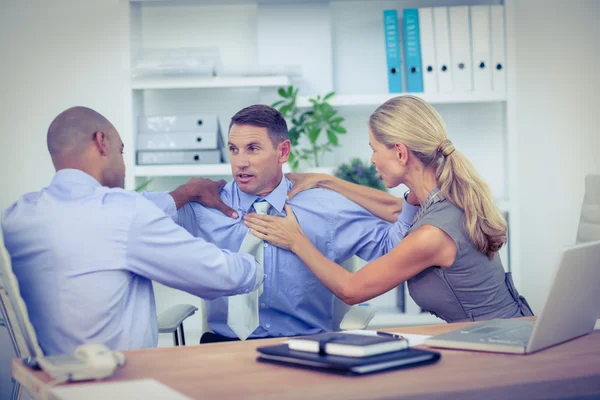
(171,321)
(589,221)
(347,317)
(14,321)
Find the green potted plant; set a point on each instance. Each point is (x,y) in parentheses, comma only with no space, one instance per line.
(361,173)
(320,120)
(144,185)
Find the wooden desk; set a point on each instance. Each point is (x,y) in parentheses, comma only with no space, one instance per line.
(230,370)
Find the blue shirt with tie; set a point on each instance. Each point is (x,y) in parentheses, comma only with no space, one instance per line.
(294,301)
(85,255)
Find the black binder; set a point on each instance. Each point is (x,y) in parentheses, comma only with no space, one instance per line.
(281,354)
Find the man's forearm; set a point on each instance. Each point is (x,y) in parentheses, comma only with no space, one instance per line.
(181,196)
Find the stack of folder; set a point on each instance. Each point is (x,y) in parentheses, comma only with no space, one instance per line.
(183,139)
(344,353)
(447,49)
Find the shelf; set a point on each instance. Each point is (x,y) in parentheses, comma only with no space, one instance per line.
(391,318)
(349,100)
(186,82)
(183,170)
(200,170)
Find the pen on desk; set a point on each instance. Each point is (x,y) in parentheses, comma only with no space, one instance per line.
(394,335)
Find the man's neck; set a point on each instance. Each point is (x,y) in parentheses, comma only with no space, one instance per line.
(81,167)
(274,184)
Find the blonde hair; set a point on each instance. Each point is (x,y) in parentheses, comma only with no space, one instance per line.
(413,122)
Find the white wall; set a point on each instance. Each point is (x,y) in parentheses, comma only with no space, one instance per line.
(557,104)
(54,55)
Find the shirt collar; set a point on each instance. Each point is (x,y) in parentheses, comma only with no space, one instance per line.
(276,198)
(74,176)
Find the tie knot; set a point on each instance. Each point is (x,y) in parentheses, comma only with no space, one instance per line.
(261,207)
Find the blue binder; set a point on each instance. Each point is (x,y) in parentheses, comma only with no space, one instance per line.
(392,50)
(412,42)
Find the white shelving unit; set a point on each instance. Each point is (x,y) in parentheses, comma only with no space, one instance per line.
(206,170)
(349,100)
(342,50)
(209,82)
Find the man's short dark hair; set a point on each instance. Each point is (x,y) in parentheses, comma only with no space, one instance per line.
(263,116)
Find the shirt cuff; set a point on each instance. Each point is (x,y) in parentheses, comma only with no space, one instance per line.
(407,215)
(164,201)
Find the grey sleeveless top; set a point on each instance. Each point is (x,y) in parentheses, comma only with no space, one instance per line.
(473,288)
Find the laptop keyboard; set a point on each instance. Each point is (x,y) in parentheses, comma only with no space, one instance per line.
(518,335)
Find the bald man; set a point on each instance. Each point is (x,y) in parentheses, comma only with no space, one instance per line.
(85,251)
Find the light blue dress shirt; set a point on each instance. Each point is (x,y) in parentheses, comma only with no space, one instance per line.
(85,255)
(294,301)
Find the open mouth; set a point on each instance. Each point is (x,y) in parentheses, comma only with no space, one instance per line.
(244,178)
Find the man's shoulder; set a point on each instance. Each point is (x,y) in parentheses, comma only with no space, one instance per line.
(196,208)
(24,201)
(327,199)
(119,196)
(127,203)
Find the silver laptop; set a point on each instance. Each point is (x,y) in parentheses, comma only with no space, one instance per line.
(570,311)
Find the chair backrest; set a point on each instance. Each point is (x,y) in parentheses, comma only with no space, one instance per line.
(14,310)
(589,221)
(347,317)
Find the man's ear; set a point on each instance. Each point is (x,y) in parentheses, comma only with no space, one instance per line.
(100,140)
(284,149)
(401,153)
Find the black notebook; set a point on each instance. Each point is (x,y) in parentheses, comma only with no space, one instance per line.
(281,354)
(349,345)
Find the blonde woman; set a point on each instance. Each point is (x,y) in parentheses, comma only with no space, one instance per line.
(449,255)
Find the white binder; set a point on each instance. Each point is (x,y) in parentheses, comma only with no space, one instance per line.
(480,38)
(442,49)
(179,123)
(498,49)
(179,157)
(428,61)
(460,45)
(178,141)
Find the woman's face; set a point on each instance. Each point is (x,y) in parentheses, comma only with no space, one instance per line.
(390,167)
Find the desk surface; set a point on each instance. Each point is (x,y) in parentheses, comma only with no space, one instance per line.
(230,370)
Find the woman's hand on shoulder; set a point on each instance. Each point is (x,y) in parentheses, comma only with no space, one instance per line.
(304,181)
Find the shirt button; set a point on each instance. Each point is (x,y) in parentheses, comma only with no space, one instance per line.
(263,305)
(266,244)
(268,325)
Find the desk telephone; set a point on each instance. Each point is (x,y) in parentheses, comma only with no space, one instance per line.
(90,361)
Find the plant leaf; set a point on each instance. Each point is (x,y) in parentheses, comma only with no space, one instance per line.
(313,134)
(277,103)
(338,129)
(143,185)
(333,139)
(282,92)
(328,96)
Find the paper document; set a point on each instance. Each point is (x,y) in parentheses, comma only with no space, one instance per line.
(413,340)
(143,389)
